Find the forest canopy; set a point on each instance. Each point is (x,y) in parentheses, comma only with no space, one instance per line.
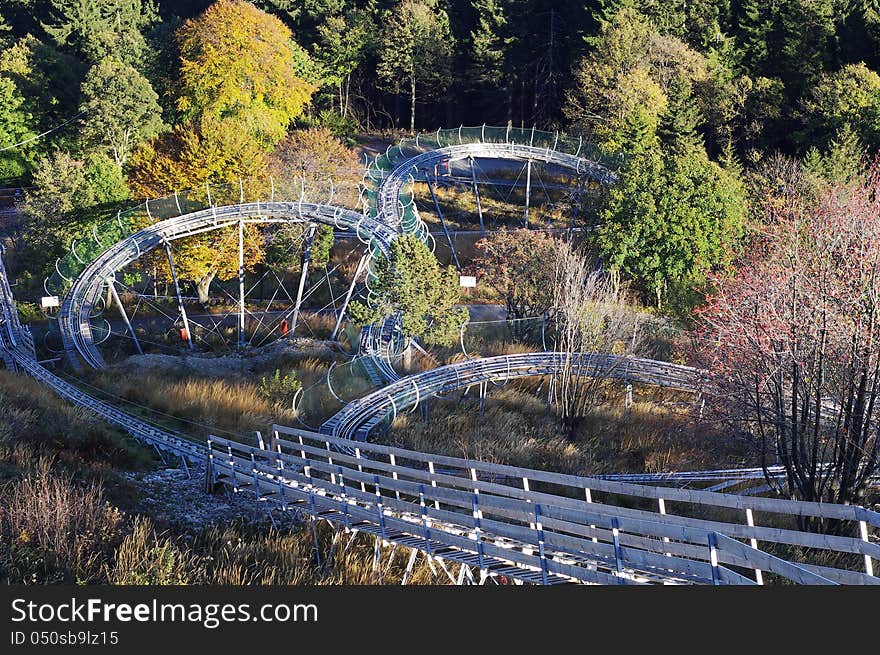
(702,100)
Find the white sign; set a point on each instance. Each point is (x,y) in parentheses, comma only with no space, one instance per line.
(467,281)
(49,301)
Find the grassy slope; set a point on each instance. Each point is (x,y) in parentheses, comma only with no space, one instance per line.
(61,521)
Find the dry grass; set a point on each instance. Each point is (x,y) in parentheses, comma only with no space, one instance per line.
(232,404)
(504,207)
(193,404)
(656,433)
(34,422)
(238,555)
(54,530)
(71,525)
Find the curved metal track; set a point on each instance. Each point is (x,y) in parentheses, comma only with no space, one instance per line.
(411,159)
(359,417)
(73,317)
(567,539)
(487,517)
(388,198)
(384,219)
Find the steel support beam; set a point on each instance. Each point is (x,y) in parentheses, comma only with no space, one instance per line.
(111,283)
(528,189)
(241,308)
(477,196)
(443,222)
(180,306)
(361,265)
(307,257)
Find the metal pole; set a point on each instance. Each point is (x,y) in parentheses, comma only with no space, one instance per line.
(180,306)
(863,531)
(528,188)
(241,339)
(443,220)
(713,559)
(112,284)
(618,557)
(477,195)
(302,278)
(357,273)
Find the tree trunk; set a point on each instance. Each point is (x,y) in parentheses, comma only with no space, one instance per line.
(203,286)
(412,104)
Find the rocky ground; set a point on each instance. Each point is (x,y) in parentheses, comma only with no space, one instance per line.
(177,497)
(248,362)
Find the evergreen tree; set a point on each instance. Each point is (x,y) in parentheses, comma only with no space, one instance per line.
(678,124)
(121,109)
(842,162)
(805,42)
(490,42)
(101,28)
(413,285)
(754,25)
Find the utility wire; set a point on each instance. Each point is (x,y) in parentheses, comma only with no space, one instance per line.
(40,136)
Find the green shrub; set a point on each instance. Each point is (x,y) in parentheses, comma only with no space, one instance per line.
(280,389)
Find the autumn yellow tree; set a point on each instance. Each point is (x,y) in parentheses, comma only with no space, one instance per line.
(206,257)
(237,62)
(194,153)
(238,92)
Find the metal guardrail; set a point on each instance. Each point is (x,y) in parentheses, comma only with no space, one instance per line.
(391,171)
(388,213)
(73,317)
(360,416)
(544,527)
(530,533)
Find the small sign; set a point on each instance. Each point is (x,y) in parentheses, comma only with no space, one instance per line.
(467,281)
(47,302)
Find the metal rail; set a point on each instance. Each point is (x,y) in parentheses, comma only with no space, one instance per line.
(381,223)
(359,417)
(468,511)
(73,317)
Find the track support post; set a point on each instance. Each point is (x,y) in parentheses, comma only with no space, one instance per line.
(528,190)
(180,306)
(477,196)
(361,265)
(307,257)
(111,284)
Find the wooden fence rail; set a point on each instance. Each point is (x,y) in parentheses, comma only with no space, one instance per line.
(549,527)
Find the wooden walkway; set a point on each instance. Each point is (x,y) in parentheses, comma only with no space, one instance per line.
(548,527)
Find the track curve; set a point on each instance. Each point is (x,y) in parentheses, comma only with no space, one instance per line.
(476,513)
(359,417)
(73,317)
(388,212)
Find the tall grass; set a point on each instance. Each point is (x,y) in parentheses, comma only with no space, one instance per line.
(193,404)
(54,530)
(655,434)
(34,421)
(71,525)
